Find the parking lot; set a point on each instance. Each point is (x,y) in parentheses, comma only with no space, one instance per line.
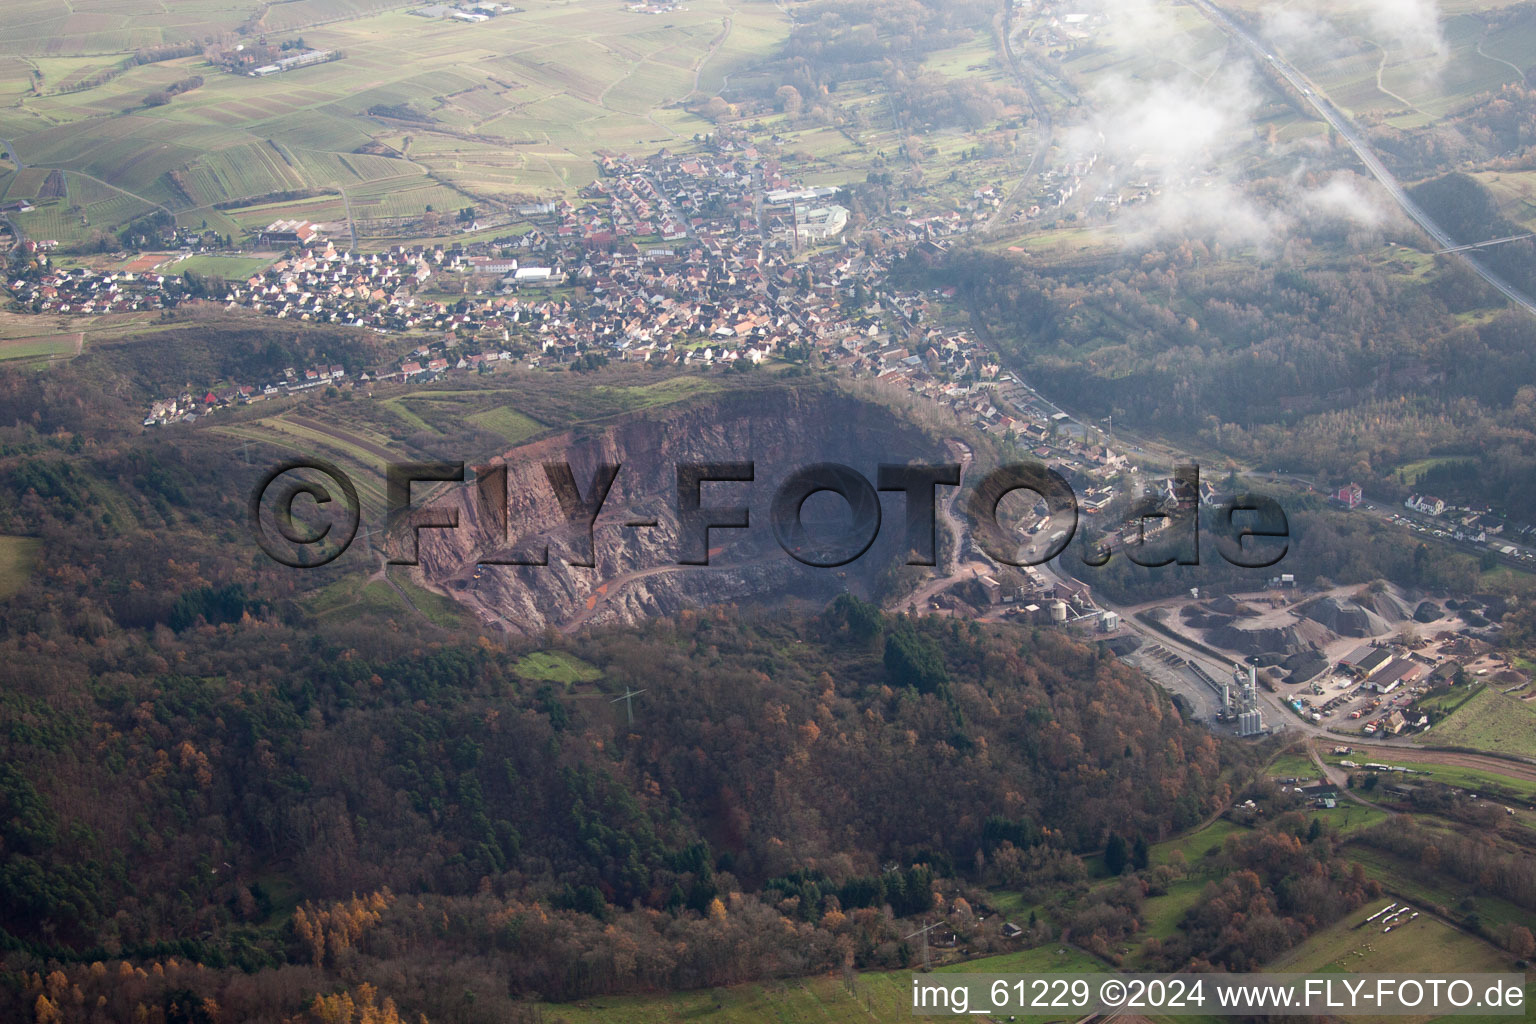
(1430,529)
(1344,704)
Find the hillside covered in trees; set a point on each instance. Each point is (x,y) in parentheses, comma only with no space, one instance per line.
(208,772)
(1323,365)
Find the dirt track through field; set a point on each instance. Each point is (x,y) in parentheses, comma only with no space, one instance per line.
(1484,763)
(345,438)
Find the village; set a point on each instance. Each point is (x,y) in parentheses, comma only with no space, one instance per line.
(708,260)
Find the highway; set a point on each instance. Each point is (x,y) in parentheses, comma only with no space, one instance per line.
(1491,241)
(1341,123)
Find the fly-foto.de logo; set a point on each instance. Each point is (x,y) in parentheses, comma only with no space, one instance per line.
(306,513)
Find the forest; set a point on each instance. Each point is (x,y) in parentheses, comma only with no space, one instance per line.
(1326,546)
(1323,366)
(255,806)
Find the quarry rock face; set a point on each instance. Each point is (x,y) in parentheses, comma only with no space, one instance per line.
(636,572)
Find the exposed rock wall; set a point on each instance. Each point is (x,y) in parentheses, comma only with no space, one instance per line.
(637,572)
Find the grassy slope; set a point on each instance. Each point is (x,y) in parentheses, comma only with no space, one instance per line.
(18,557)
(555,667)
(1490,721)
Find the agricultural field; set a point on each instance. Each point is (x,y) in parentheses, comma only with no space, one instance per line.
(1492,721)
(261,440)
(27,339)
(364,434)
(1186,45)
(1196,845)
(1435,89)
(420,113)
(1515,192)
(1348,817)
(1407,881)
(360,454)
(43,349)
(1409,473)
(444,412)
(514,404)
(1058,244)
(1426,945)
(430,114)
(436,608)
(356,593)
(1368,72)
(863,134)
(88,207)
(1292,766)
(56,29)
(1192,854)
(650,396)
(507,422)
(53,27)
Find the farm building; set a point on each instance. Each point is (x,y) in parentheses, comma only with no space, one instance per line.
(298,60)
(289,232)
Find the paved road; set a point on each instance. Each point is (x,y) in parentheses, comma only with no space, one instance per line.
(346,203)
(1043,128)
(714,47)
(1341,123)
(1339,778)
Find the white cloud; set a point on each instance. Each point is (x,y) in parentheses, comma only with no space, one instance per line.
(1192,136)
(1346,197)
(1318,29)
(1297,31)
(1188,139)
(1414,25)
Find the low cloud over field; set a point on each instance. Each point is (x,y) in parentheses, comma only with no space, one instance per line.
(1186,116)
